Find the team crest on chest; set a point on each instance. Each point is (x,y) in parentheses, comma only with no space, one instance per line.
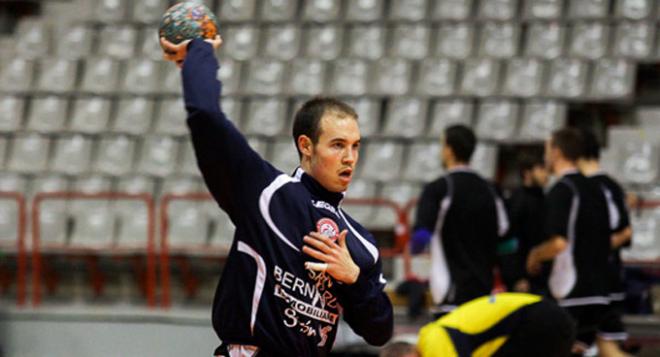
(327,227)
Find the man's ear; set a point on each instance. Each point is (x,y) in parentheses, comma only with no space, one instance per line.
(305,145)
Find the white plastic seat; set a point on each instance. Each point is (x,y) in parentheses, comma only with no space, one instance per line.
(74,41)
(437,77)
(589,40)
(411,41)
(480,77)
(567,78)
(53,213)
(188,163)
(266,117)
(148,11)
(90,115)
(180,185)
(324,42)
(382,160)
(543,9)
(497,120)
(265,77)
(633,40)
(158,156)
(367,41)
(110,10)
(307,76)
(171,118)
(634,9)
(368,111)
(447,113)
(454,41)
(360,189)
(242,42)
(188,224)
(93,219)
(229,74)
(72,154)
(452,9)
(134,116)
(237,10)
(33,38)
(282,42)
(16,75)
(394,75)
(406,117)
(284,155)
(524,77)
(115,155)
(640,161)
(132,215)
(100,75)
(57,75)
(423,163)
(500,10)
(141,76)
(588,9)
(321,10)
(278,10)
(233,109)
(398,192)
(613,78)
(541,119)
(545,40)
(498,40)
(9,219)
(118,42)
(149,45)
(365,10)
(484,160)
(350,77)
(47,114)
(411,10)
(171,82)
(11,113)
(646,244)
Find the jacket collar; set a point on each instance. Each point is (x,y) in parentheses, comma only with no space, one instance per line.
(317,190)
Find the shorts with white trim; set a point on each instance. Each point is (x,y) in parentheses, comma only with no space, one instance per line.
(611,327)
(587,320)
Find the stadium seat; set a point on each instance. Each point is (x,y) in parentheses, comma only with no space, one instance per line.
(613,78)
(9,209)
(409,10)
(452,9)
(634,9)
(118,42)
(350,77)
(229,74)
(567,78)
(74,41)
(406,117)
(233,109)
(33,38)
(498,40)
(260,145)
(149,45)
(588,9)
(284,155)
(158,156)
(545,40)
(180,185)
(423,163)
(171,117)
(282,42)
(72,154)
(132,215)
(109,11)
(141,76)
(278,10)
(93,219)
(241,42)
(265,77)
(369,10)
(497,120)
(411,41)
(484,160)
(449,112)
(367,41)
(640,161)
(633,40)
(266,117)
(47,114)
(647,116)
(480,77)
(148,11)
(543,9)
(500,10)
(171,83)
(541,118)
(646,244)
(394,75)
(589,40)
(16,75)
(324,42)
(237,10)
(188,224)
(115,155)
(360,189)
(11,113)
(368,111)
(382,160)
(57,75)
(100,75)
(524,77)
(90,115)
(437,77)
(321,10)
(398,192)
(307,76)
(188,163)
(134,116)
(454,41)
(53,214)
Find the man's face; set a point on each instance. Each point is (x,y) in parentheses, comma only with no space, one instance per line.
(335,155)
(539,175)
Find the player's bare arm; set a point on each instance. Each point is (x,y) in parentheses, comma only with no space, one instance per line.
(544,252)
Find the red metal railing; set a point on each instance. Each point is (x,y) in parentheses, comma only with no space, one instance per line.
(150,280)
(20,244)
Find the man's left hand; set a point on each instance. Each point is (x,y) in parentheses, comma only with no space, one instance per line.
(335,257)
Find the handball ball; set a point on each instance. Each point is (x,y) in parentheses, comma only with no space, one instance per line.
(187,20)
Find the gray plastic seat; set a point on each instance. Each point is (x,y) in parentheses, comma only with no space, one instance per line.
(437,77)
(360,189)
(633,40)
(588,9)
(53,213)
(16,75)
(541,118)
(29,153)
(324,42)
(118,42)
(148,11)
(47,114)
(406,117)
(382,160)
(423,163)
(365,10)
(284,155)
(646,245)
(367,41)
(171,118)
(500,10)
(497,120)
(74,41)
(321,10)
(350,77)
(266,117)
(567,78)
(634,9)
(589,40)
(149,46)
(278,10)
(499,40)
(368,111)
(398,192)
(237,10)
(11,113)
(613,78)
(233,109)
(229,74)
(480,77)
(72,154)
(543,9)
(411,41)
(410,10)
(242,42)
(307,76)
(132,215)
(391,76)
(90,115)
(282,42)
(9,219)
(545,40)
(100,75)
(93,219)
(142,76)
(158,155)
(57,75)
(134,116)
(449,112)
(109,11)
(524,77)
(454,41)
(265,77)
(33,38)
(452,9)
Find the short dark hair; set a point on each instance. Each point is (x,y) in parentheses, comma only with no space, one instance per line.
(527,161)
(462,142)
(590,145)
(307,120)
(569,142)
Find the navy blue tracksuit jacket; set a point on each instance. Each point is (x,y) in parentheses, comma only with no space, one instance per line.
(266,297)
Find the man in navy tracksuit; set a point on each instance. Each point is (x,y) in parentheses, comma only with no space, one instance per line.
(298,260)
